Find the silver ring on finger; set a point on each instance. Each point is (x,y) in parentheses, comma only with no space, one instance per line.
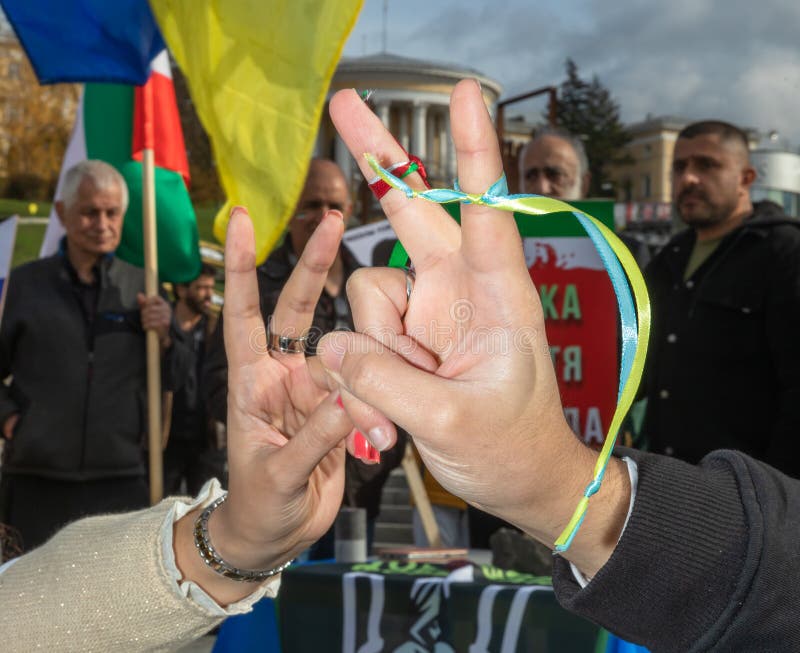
(285,344)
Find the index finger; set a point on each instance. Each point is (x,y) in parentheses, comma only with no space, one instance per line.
(294,311)
(242,310)
(426,230)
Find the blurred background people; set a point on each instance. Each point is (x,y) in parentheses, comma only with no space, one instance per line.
(195,450)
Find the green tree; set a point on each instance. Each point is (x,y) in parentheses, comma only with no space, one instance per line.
(587,109)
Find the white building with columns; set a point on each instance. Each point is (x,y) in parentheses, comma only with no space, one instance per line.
(411,97)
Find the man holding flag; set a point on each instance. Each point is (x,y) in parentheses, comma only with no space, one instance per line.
(242,65)
(72,338)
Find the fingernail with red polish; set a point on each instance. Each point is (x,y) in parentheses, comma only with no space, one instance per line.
(373,455)
(363,450)
(360,445)
(339,402)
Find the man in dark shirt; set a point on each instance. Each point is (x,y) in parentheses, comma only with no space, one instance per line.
(194,451)
(722,363)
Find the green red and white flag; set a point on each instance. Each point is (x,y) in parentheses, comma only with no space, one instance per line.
(110,126)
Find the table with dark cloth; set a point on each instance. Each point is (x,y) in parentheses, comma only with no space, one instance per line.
(418,606)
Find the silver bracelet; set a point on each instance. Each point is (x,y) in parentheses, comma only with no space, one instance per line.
(210,556)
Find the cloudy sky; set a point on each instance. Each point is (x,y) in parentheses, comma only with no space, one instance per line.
(737,60)
(732,59)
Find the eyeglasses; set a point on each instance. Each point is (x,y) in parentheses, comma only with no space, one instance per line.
(314,207)
(553,175)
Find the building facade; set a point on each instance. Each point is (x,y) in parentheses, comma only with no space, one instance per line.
(778,178)
(412,98)
(647,178)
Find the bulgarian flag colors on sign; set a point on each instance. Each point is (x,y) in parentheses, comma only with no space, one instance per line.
(109,126)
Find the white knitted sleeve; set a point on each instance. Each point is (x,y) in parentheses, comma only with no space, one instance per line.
(110,583)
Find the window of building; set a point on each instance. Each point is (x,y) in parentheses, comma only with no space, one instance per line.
(646,187)
(627,190)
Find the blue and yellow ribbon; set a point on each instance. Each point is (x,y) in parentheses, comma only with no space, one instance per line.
(629,288)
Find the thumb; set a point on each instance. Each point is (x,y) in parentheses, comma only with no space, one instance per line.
(324,430)
(141,299)
(415,400)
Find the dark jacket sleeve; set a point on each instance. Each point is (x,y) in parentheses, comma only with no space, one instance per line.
(782,333)
(650,274)
(709,560)
(176,361)
(214,382)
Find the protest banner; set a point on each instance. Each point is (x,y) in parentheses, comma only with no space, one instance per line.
(580,311)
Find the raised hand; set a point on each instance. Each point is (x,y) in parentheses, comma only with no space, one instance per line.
(464,364)
(285,434)
(156,314)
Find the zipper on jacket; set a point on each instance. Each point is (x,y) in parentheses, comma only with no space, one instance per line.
(90,326)
(89,372)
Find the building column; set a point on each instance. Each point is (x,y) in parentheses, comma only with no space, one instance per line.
(448,151)
(443,136)
(430,138)
(403,135)
(382,111)
(452,168)
(419,144)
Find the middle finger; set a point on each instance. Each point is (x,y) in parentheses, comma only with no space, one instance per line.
(485,231)
(426,230)
(294,311)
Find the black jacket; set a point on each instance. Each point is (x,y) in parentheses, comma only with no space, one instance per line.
(190,420)
(723,365)
(79,385)
(708,561)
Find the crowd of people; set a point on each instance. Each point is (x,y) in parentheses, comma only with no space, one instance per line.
(686,547)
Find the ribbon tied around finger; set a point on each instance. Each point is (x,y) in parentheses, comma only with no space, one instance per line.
(629,288)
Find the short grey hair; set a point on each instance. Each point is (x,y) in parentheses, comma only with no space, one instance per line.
(102,175)
(564,135)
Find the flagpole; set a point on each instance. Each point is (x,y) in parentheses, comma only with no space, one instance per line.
(151,289)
